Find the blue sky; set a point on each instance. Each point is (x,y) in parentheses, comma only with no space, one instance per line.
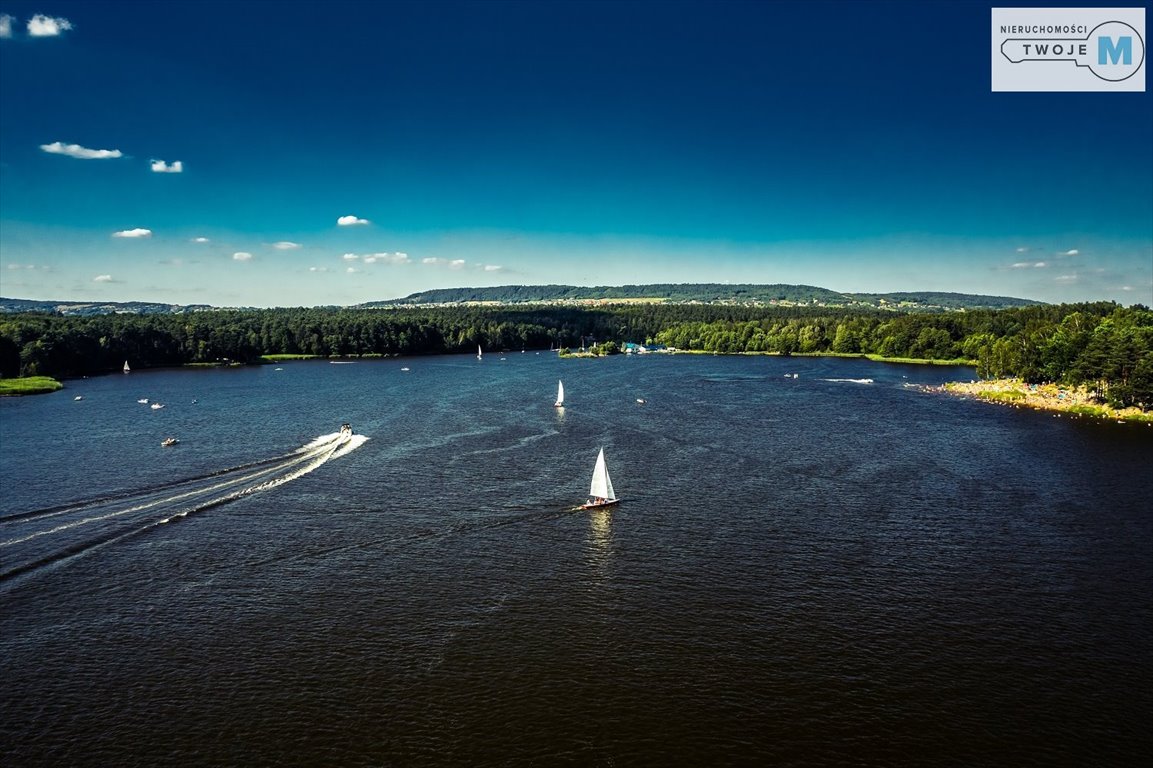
(207,152)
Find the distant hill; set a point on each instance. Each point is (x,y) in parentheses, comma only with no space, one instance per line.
(79,308)
(742,294)
(705,293)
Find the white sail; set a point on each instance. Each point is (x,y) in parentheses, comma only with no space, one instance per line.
(559,395)
(126,368)
(479,354)
(602,486)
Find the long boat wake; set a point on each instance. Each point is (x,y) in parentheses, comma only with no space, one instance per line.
(43,537)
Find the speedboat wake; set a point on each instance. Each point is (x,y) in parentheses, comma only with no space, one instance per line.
(45,537)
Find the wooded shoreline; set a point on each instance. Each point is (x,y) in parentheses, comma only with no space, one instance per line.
(1101,345)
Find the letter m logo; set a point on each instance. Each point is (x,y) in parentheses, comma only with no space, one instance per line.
(1109,52)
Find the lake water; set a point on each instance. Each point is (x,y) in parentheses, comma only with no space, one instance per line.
(804,571)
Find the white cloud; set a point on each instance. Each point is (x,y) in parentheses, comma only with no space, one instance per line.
(102,279)
(352,270)
(1040,264)
(47,26)
(388,258)
(1066,279)
(200,240)
(6,25)
(285,245)
(138,232)
(1024,249)
(159,166)
(1071,252)
(318,269)
(241,256)
(459,264)
(350,256)
(350,221)
(79,152)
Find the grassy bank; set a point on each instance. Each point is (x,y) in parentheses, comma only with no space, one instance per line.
(30,385)
(1075,401)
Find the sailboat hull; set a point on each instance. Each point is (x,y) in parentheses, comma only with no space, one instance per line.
(600,504)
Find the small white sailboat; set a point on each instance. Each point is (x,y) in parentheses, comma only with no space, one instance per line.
(559,395)
(601,493)
(143,401)
(479,353)
(126,368)
(156,406)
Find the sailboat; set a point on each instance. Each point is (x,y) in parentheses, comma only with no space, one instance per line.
(126,368)
(601,493)
(559,395)
(479,353)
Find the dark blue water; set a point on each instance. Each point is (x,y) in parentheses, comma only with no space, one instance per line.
(802,572)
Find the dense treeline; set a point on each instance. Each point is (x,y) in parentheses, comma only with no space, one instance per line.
(1102,344)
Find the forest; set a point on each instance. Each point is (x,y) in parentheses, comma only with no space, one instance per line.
(1103,345)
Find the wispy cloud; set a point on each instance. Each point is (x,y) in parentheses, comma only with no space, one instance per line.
(47,26)
(459,264)
(285,245)
(318,269)
(351,221)
(103,279)
(242,256)
(6,26)
(439,262)
(1029,265)
(79,152)
(29,266)
(1066,278)
(159,166)
(352,270)
(138,232)
(200,240)
(351,256)
(1070,252)
(387,258)
(1024,249)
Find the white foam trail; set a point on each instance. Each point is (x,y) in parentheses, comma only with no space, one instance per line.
(851,381)
(308,458)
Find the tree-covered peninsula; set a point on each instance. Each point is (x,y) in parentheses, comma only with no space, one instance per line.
(1102,345)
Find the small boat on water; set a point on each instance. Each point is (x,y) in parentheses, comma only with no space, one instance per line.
(143,401)
(345,430)
(559,395)
(126,368)
(601,493)
(78,397)
(169,441)
(156,406)
(479,353)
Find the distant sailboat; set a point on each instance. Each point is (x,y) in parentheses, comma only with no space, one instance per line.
(559,395)
(126,368)
(479,353)
(601,493)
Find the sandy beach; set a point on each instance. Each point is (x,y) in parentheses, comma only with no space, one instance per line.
(1014,393)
